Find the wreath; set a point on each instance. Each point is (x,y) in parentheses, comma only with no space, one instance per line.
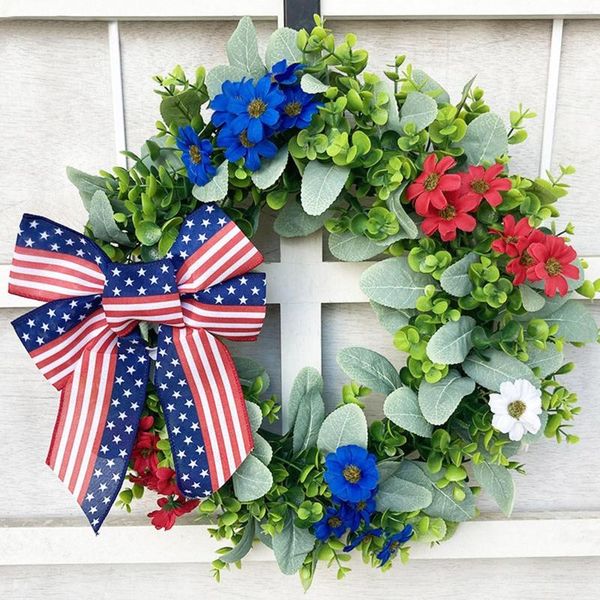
(478,290)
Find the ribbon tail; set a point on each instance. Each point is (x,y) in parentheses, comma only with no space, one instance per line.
(204,409)
(100,408)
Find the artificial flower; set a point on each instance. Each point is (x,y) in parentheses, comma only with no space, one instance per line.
(237,146)
(164,481)
(393,543)
(520,265)
(256,109)
(514,236)
(220,104)
(361,537)
(297,109)
(351,473)
(484,184)
(552,263)
(357,513)
(516,408)
(144,456)
(332,523)
(171,508)
(451,218)
(196,156)
(429,187)
(284,74)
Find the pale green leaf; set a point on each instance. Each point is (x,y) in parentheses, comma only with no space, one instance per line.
(249,370)
(455,279)
(444,505)
(451,343)
(485,140)
(496,480)
(291,546)
(532,301)
(438,401)
(252,480)
(352,247)
(309,419)
(427,84)
(87,185)
(292,221)
(270,170)
(311,85)
(419,109)
(102,221)
(243,546)
(254,415)
(216,188)
(369,368)
(395,205)
(242,49)
(498,368)
(401,495)
(307,382)
(402,408)
(392,319)
(282,45)
(548,360)
(345,426)
(221,73)
(262,449)
(575,322)
(321,185)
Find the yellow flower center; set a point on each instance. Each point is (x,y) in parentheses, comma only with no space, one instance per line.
(526,259)
(334,522)
(431,181)
(244,141)
(195,155)
(352,474)
(516,408)
(553,267)
(293,109)
(256,108)
(448,213)
(480,186)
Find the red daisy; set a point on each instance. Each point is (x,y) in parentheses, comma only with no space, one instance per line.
(429,187)
(520,265)
(454,216)
(484,184)
(170,509)
(514,237)
(552,264)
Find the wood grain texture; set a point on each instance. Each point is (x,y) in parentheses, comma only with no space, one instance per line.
(56,111)
(577,133)
(534,579)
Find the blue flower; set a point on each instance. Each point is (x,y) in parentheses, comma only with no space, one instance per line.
(297,109)
(285,74)
(230,91)
(356,513)
(256,108)
(237,145)
(196,155)
(332,523)
(393,543)
(361,536)
(351,473)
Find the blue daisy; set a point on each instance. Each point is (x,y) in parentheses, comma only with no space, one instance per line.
(196,156)
(351,473)
(357,513)
(297,109)
(237,146)
(220,104)
(358,539)
(284,74)
(332,523)
(393,543)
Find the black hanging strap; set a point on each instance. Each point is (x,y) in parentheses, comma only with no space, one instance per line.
(299,13)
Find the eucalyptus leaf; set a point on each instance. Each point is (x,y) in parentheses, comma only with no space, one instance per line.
(87,185)
(292,221)
(392,319)
(243,546)
(307,425)
(178,110)
(402,408)
(321,185)
(216,189)
(221,73)
(252,480)
(548,360)
(393,283)
(308,382)
(575,322)
(249,370)
(420,109)
(438,401)
(497,481)
(311,85)
(451,343)
(352,247)
(455,279)
(532,301)
(346,425)
(495,368)
(426,84)
(395,205)
(102,221)
(393,122)
(291,546)
(148,232)
(242,49)
(254,415)
(444,505)
(282,45)
(369,368)
(262,449)
(270,170)
(485,140)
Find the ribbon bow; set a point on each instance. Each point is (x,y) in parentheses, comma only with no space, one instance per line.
(86,342)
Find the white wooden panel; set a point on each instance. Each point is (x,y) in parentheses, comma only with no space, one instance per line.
(577,136)
(453,51)
(56,111)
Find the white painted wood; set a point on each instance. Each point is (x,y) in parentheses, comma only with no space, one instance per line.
(116,79)
(551,95)
(192,544)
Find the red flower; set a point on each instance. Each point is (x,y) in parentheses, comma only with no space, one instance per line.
(454,216)
(552,264)
(165,481)
(514,237)
(523,261)
(146,423)
(144,455)
(170,509)
(429,187)
(484,184)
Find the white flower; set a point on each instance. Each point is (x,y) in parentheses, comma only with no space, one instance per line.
(516,408)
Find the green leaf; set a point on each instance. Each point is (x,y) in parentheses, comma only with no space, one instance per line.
(270,170)
(426,84)
(180,109)
(291,546)
(406,223)
(393,283)
(292,221)
(311,85)
(393,122)
(87,185)
(451,343)
(309,419)
(216,76)
(148,232)
(498,368)
(262,449)
(254,415)
(307,383)
(282,45)
(216,188)
(575,323)
(252,480)
(532,301)
(102,221)
(321,185)
(455,279)
(486,139)
(419,109)
(392,319)
(351,247)
(402,408)
(444,505)
(498,483)
(402,495)
(369,368)
(387,468)
(547,360)
(438,401)
(242,49)
(249,370)
(346,425)
(243,546)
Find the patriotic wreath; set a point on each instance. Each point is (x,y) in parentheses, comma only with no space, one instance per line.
(477,291)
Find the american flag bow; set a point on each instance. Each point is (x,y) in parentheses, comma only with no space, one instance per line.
(86,342)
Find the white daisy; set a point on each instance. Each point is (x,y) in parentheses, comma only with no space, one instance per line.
(516,408)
